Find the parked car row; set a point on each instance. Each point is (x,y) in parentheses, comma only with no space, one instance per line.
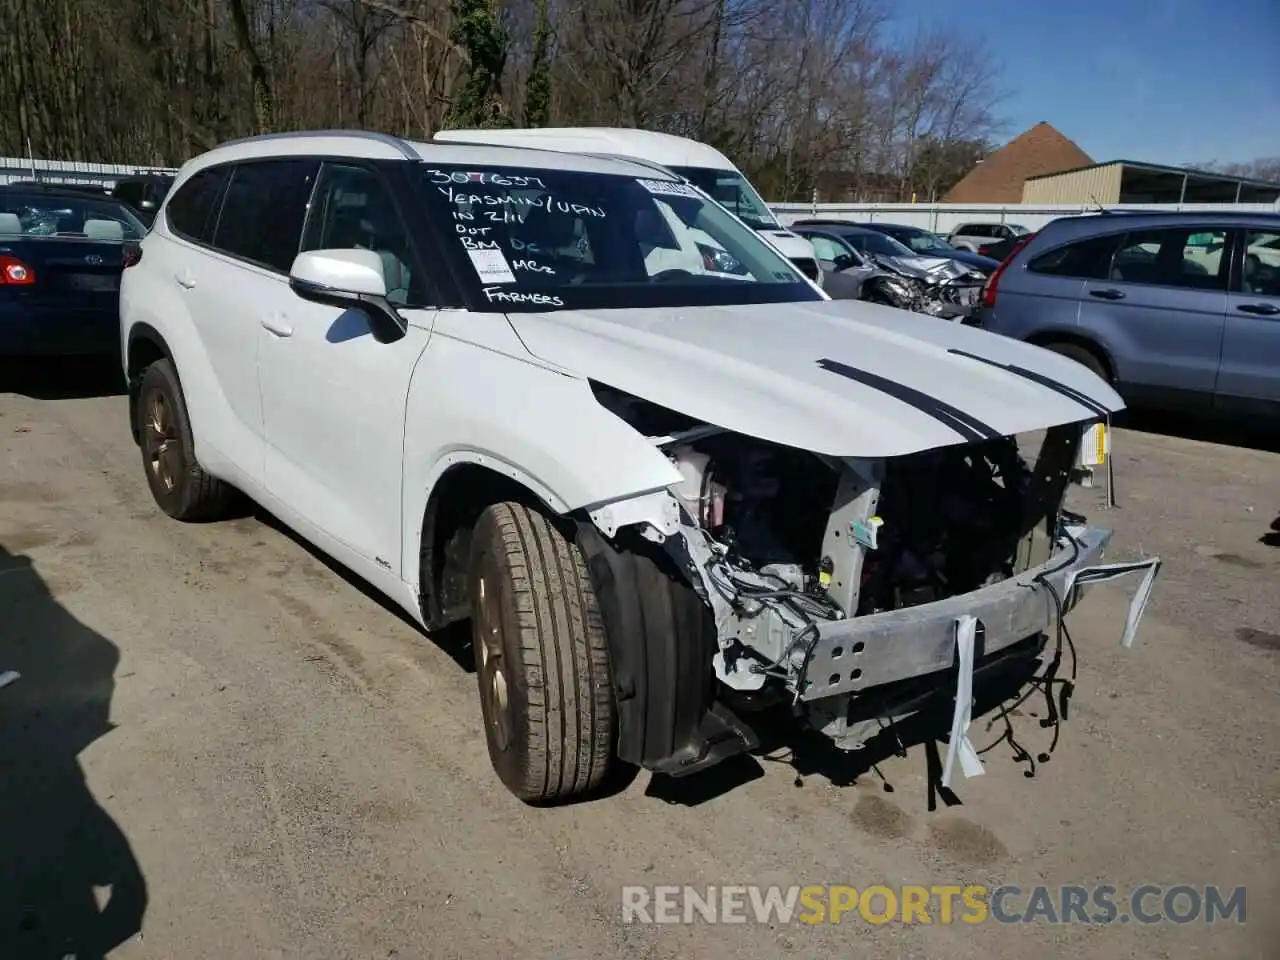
(1176,310)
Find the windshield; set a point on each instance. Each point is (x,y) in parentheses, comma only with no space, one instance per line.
(925,242)
(543,239)
(41,215)
(1019,229)
(732,189)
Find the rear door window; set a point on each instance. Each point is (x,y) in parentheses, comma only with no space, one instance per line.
(1261,274)
(263,213)
(1168,258)
(1085,259)
(192,211)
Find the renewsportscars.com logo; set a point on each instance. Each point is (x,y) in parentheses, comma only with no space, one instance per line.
(938,903)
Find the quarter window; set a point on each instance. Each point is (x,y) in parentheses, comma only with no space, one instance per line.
(189,213)
(353,209)
(263,212)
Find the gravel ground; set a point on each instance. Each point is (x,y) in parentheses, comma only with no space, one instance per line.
(219,737)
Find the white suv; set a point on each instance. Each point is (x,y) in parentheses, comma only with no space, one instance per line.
(507,385)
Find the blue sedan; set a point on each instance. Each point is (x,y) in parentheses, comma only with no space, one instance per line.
(62,251)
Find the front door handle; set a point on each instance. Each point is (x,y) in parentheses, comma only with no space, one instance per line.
(1261,309)
(1107,294)
(277,325)
(185,280)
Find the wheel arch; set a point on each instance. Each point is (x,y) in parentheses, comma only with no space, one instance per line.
(1083,341)
(145,345)
(468,483)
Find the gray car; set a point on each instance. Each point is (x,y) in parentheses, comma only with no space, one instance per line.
(902,278)
(844,269)
(1176,310)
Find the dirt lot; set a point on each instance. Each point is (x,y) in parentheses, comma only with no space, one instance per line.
(262,761)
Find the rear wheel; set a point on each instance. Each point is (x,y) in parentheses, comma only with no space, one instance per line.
(1081,355)
(542,661)
(180,486)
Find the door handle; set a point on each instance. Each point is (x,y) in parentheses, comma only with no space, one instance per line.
(1107,294)
(1261,309)
(277,325)
(185,280)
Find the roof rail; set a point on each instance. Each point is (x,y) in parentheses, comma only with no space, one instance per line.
(638,161)
(387,139)
(516,145)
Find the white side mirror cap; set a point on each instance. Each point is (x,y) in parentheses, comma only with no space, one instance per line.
(352,271)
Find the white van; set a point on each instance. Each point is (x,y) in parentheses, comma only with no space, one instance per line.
(703,166)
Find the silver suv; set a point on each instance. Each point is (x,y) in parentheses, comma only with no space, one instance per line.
(971,236)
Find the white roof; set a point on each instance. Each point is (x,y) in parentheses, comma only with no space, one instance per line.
(369,145)
(663,148)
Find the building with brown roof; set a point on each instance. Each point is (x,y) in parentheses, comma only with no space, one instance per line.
(1000,176)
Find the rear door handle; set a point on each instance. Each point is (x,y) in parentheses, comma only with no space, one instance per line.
(1261,309)
(185,280)
(1107,294)
(277,325)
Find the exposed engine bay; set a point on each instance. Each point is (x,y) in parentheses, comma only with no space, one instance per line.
(948,289)
(814,567)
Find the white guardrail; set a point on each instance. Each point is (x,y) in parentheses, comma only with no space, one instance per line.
(938,217)
(945,217)
(71,172)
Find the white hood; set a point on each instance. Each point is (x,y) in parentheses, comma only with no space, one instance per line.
(839,377)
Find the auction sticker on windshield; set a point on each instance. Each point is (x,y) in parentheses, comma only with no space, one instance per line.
(492,266)
(670,188)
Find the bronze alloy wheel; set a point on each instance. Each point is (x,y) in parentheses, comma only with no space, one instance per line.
(491,666)
(160,443)
(181,488)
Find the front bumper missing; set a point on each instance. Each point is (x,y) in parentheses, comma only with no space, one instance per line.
(855,655)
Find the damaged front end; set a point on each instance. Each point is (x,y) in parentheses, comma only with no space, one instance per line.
(936,287)
(771,574)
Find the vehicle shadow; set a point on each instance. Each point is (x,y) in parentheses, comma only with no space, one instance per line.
(62,378)
(70,884)
(1272,539)
(1002,702)
(454,640)
(1206,430)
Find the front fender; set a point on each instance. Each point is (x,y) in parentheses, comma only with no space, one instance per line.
(543,428)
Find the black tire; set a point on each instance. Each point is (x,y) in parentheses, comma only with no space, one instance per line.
(1081,355)
(538,635)
(181,488)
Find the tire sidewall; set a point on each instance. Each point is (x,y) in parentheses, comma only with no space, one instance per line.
(512,764)
(1082,356)
(161,378)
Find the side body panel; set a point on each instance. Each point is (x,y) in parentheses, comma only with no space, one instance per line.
(478,397)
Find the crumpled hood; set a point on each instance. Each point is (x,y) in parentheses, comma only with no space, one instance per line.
(932,269)
(839,377)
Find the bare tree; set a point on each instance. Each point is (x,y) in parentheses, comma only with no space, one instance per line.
(804,95)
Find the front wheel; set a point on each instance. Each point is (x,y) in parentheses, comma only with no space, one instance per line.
(542,660)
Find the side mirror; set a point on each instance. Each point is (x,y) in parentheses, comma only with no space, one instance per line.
(352,279)
(843,261)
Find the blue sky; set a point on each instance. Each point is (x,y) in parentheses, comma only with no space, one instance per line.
(1166,81)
